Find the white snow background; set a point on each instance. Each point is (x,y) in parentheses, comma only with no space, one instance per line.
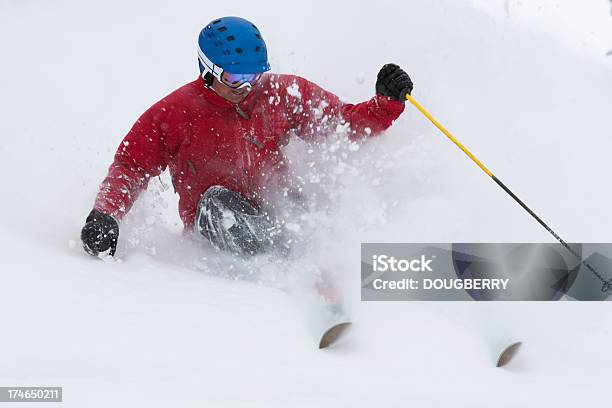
(526,85)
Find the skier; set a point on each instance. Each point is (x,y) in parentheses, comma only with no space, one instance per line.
(221,136)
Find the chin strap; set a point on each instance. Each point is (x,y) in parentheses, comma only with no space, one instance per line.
(208,78)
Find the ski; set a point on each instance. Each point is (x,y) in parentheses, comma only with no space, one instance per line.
(333,334)
(508,354)
(323,312)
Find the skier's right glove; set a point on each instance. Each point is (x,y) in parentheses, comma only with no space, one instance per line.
(100,233)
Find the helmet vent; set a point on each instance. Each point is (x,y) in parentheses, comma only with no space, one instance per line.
(222,29)
(238,50)
(216,21)
(257,49)
(258,36)
(230,38)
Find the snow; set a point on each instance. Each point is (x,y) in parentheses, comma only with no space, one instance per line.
(527,86)
(294,90)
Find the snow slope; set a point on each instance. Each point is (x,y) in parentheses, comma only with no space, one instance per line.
(162,328)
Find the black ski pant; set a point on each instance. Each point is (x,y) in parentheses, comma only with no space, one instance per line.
(231,223)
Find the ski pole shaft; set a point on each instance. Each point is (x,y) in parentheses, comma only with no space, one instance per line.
(607,284)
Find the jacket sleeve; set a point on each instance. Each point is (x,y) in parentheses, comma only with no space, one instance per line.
(141,155)
(317,112)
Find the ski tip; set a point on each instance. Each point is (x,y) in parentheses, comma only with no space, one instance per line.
(333,334)
(508,353)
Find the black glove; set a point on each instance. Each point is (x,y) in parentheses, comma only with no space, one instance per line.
(393,82)
(100,233)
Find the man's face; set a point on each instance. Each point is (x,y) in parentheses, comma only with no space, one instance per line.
(233,95)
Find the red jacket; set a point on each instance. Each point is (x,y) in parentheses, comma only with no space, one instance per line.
(206,140)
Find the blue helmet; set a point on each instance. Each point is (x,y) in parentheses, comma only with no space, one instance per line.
(232,44)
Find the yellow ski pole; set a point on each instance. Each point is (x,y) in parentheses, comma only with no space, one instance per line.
(606,284)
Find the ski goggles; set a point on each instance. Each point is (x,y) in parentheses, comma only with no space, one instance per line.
(234,81)
(237,81)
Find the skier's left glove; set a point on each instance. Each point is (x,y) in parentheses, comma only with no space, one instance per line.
(393,82)
(100,233)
